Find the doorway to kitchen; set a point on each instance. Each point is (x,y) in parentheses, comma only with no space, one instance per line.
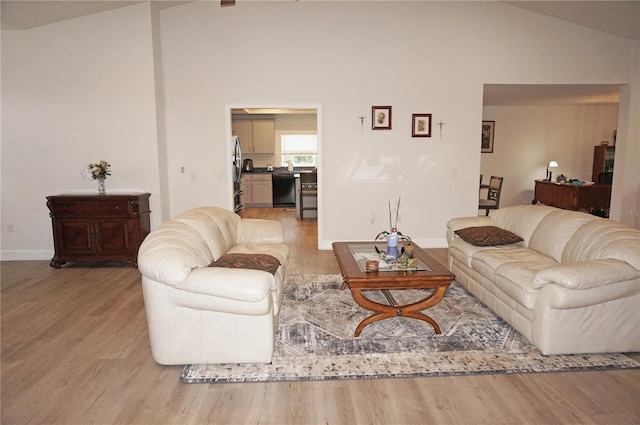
(280,143)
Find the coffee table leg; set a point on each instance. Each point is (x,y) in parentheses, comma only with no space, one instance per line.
(383,311)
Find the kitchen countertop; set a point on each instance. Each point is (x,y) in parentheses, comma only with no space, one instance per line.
(279,170)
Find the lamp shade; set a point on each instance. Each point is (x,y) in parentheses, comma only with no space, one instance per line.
(552,164)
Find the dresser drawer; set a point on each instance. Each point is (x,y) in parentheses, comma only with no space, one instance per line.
(107,207)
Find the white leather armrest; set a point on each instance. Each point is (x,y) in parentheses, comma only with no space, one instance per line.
(168,256)
(254,230)
(586,274)
(234,284)
(168,269)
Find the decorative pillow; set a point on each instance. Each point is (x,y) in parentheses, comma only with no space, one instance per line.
(487,236)
(264,262)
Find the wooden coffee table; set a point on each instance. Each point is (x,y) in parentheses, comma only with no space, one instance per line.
(428,275)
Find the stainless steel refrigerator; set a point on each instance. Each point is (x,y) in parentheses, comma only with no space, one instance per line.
(237,174)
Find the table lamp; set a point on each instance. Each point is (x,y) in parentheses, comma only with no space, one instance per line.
(551,164)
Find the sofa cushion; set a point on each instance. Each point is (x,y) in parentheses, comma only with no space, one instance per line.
(601,239)
(256,230)
(487,236)
(520,219)
(586,274)
(208,230)
(516,278)
(464,251)
(487,262)
(556,229)
(264,262)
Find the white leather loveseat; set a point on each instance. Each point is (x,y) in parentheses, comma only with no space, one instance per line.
(572,285)
(204,315)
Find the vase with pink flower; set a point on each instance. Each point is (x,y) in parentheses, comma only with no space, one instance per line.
(99,172)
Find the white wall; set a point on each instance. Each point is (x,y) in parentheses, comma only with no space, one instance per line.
(529,137)
(73,93)
(83,90)
(419,57)
(625,196)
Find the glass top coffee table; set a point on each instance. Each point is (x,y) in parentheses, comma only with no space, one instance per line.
(428,274)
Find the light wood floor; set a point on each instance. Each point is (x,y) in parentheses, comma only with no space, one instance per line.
(75,351)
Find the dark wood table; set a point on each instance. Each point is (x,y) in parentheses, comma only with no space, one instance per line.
(428,275)
(567,196)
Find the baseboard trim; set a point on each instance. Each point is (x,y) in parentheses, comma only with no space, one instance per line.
(24,255)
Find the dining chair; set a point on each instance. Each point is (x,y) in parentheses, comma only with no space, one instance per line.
(308,191)
(493,195)
(605,178)
(482,186)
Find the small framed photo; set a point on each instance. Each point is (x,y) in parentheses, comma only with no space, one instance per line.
(421,125)
(488,128)
(381,117)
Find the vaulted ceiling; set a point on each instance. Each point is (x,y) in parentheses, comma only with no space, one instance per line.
(616,17)
(22,15)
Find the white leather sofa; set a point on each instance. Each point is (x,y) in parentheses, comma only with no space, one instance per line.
(203,315)
(571,286)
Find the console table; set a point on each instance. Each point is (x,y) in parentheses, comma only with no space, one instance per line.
(567,196)
(98,227)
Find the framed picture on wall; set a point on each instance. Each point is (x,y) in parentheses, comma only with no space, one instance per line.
(381,117)
(421,125)
(488,128)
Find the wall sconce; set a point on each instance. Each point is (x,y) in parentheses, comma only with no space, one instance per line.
(551,164)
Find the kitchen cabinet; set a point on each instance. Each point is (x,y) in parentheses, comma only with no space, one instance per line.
(602,161)
(256,135)
(98,227)
(257,190)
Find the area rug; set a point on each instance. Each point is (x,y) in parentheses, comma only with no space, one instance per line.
(315,341)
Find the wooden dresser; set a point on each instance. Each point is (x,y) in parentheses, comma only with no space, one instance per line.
(589,198)
(98,227)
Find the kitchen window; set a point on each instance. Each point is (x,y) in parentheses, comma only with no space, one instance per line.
(301,149)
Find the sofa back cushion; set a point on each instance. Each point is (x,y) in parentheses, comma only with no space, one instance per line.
(192,239)
(218,227)
(604,239)
(556,229)
(520,219)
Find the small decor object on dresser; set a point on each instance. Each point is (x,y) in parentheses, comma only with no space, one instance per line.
(99,171)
